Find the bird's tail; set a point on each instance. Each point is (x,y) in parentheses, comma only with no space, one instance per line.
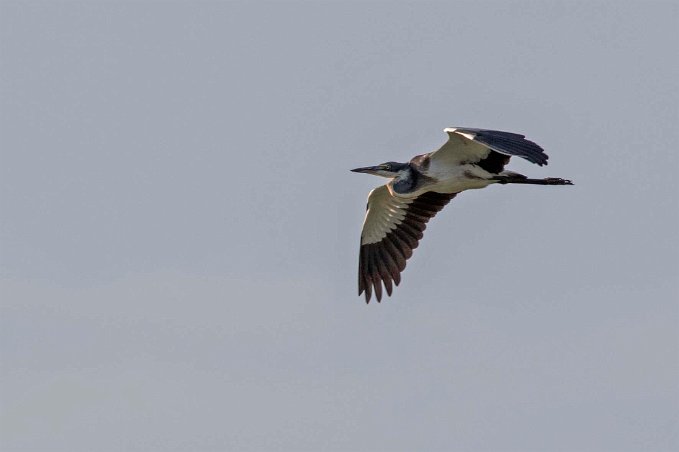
(509,177)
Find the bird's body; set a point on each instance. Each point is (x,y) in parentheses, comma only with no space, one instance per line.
(398,211)
(441,177)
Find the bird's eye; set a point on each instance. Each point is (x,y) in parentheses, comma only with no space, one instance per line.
(386,167)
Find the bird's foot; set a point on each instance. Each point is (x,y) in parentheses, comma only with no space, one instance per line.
(557,181)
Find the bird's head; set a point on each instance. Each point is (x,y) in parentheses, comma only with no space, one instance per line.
(389,169)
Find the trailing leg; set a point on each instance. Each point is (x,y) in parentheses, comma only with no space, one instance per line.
(515,178)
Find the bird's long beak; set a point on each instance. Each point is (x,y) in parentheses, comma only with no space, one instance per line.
(366,169)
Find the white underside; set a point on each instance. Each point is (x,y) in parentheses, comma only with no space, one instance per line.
(452,180)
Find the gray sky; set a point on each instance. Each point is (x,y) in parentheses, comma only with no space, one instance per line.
(180,229)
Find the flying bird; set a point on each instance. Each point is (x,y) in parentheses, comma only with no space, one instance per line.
(398,211)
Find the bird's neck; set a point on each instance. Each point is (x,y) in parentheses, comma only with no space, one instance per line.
(406,181)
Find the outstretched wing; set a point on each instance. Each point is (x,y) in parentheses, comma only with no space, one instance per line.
(392,229)
(482,147)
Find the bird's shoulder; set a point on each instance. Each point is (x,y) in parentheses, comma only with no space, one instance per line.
(421,162)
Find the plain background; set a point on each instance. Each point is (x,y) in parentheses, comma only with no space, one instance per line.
(180,228)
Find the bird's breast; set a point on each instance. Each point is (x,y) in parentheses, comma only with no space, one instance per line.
(457,178)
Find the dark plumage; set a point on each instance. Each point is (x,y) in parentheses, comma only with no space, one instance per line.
(382,262)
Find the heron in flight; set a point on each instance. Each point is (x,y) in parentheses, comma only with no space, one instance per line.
(397,212)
